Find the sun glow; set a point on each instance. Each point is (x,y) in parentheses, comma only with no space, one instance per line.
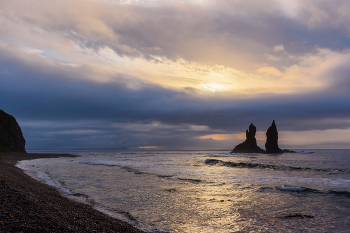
(204,78)
(260,136)
(213,87)
(151,147)
(173,74)
(221,137)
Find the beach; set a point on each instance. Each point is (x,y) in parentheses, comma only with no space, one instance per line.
(28,205)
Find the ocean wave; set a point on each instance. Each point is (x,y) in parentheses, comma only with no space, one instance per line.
(268,166)
(240,154)
(110,162)
(296,189)
(126,153)
(45,177)
(99,162)
(135,171)
(222,155)
(191,180)
(304,152)
(314,191)
(127,217)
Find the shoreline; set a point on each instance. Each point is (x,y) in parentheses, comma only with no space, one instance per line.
(29,205)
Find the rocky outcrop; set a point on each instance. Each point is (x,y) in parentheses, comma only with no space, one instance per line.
(271,144)
(11,137)
(249,145)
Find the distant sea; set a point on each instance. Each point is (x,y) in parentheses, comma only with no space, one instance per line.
(209,191)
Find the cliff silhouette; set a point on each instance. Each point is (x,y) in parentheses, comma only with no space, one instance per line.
(11,137)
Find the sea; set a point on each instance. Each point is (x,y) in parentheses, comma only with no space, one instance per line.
(208,191)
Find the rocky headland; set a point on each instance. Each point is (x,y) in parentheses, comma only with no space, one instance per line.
(11,137)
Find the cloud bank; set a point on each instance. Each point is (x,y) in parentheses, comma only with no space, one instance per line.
(177,75)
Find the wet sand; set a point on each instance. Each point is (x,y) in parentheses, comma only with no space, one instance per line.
(28,205)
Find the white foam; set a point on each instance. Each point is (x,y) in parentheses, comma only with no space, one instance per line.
(305,152)
(292,189)
(126,218)
(45,177)
(42,176)
(222,155)
(123,163)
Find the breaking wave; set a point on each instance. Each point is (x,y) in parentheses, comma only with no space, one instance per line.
(314,191)
(267,166)
(304,152)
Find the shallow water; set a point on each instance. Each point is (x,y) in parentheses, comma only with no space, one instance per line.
(209,191)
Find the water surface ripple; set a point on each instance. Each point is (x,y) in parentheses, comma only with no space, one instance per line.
(209,191)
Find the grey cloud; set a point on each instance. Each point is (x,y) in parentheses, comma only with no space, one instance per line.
(221,34)
(325,14)
(314,112)
(340,77)
(80,113)
(119,114)
(220,37)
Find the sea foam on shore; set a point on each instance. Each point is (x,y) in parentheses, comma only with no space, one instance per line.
(31,206)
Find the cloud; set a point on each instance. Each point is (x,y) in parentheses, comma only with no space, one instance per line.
(234,34)
(52,106)
(119,74)
(118,117)
(278,48)
(323,139)
(269,70)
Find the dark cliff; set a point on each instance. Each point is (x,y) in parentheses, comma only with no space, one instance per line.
(11,137)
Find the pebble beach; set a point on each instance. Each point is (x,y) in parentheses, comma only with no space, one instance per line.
(28,205)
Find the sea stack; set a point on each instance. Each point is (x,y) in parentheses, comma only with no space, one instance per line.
(249,145)
(271,144)
(11,137)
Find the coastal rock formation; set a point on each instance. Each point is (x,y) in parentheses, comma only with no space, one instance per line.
(249,145)
(11,137)
(271,144)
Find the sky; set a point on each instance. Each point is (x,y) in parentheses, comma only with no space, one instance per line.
(176,74)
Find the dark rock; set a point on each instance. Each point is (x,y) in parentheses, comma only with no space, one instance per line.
(271,144)
(170,190)
(249,145)
(11,137)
